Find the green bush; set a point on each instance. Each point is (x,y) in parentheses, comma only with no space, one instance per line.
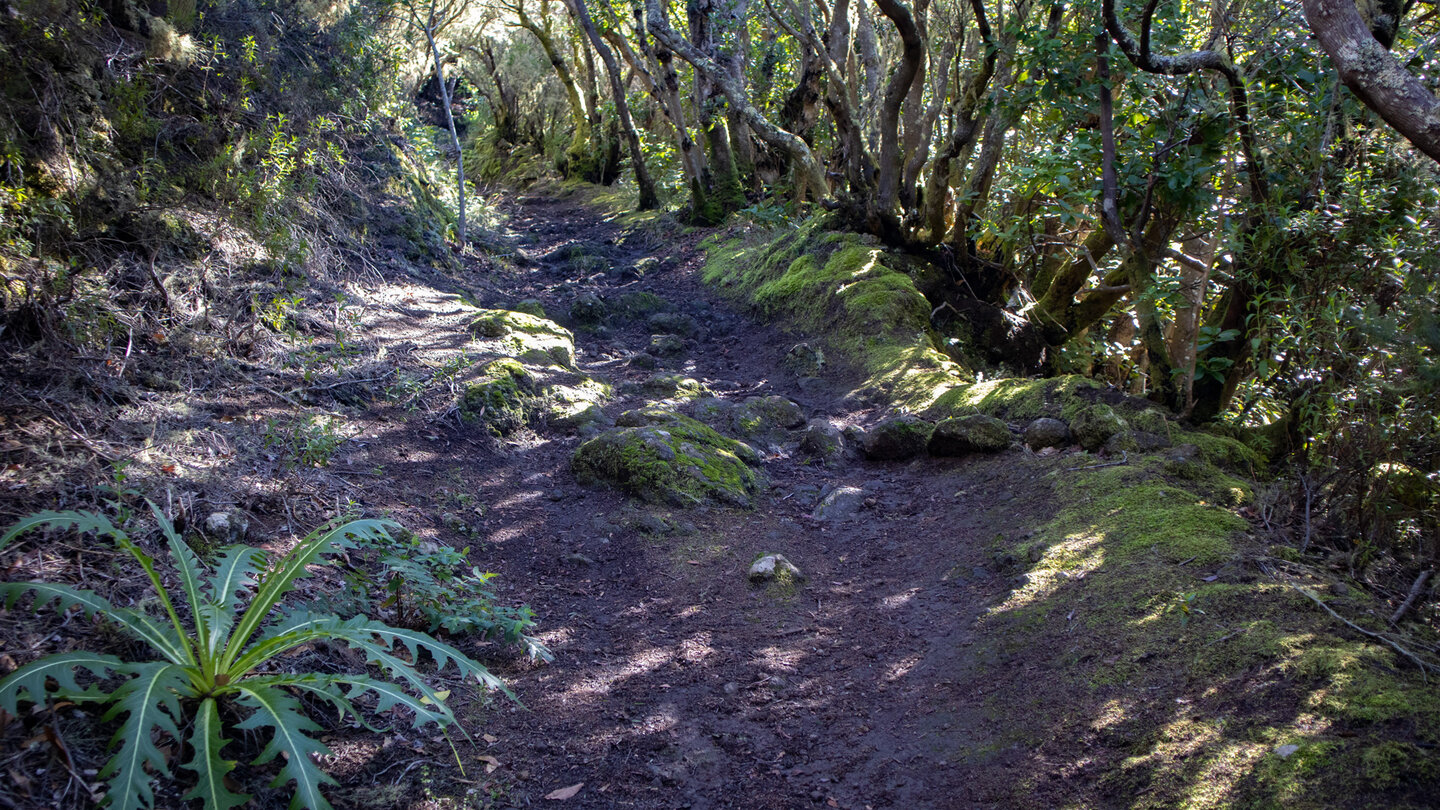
(225,656)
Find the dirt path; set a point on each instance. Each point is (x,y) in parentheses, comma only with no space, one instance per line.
(679,684)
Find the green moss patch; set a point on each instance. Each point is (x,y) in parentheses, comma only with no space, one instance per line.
(1015,399)
(537,382)
(668,458)
(842,289)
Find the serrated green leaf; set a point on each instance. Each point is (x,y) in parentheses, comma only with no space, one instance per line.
(150,700)
(189,567)
(275,709)
(209,766)
(236,572)
(29,680)
(276,583)
(83,521)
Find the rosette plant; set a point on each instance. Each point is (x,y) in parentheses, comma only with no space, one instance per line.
(218,663)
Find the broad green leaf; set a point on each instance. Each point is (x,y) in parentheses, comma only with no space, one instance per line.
(275,709)
(150,701)
(29,680)
(148,563)
(209,766)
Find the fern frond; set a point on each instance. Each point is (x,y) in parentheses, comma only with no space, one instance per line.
(206,742)
(280,711)
(150,700)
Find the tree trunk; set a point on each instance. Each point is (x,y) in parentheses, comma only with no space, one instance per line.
(648,200)
(429,29)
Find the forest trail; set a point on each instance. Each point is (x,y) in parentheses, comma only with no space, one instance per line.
(678,683)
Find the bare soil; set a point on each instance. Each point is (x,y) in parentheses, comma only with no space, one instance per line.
(677,683)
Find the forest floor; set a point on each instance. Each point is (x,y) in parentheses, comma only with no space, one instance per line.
(918,663)
(677,683)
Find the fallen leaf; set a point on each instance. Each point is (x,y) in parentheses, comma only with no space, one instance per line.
(564,793)
(692,562)
(440,695)
(490,738)
(491,763)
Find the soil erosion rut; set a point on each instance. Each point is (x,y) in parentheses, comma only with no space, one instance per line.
(677,683)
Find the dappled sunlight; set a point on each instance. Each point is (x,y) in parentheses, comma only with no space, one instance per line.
(1072,559)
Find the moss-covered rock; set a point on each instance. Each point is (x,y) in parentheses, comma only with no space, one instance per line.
(1135,441)
(842,290)
(588,310)
(668,386)
(641,305)
(976,433)
(530,306)
(534,339)
(896,438)
(676,460)
(1016,399)
(1094,425)
(504,401)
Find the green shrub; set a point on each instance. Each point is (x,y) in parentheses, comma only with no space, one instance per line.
(225,656)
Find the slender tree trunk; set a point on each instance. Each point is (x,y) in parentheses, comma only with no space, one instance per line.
(648,200)
(429,29)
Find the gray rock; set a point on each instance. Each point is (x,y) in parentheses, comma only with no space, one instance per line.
(1135,441)
(643,361)
(1095,425)
(652,524)
(666,345)
(821,438)
(1046,432)
(588,309)
(227,527)
(672,323)
(976,433)
(897,438)
(804,360)
(578,419)
(773,567)
(839,503)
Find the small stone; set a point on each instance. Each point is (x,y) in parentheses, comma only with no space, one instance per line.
(556,495)
(774,566)
(643,361)
(1286,750)
(652,524)
(1046,432)
(576,558)
(731,688)
(227,527)
(1339,588)
(839,503)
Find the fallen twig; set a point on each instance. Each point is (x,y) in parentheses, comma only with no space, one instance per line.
(1424,668)
(1124,459)
(1410,599)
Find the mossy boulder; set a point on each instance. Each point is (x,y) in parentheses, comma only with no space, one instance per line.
(1016,399)
(822,439)
(587,310)
(676,460)
(1135,441)
(533,339)
(766,416)
(504,401)
(1094,425)
(976,433)
(897,438)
